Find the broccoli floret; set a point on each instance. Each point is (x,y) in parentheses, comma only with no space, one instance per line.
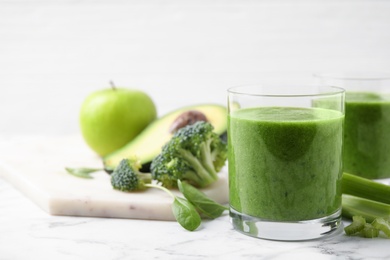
(126,177)
(194,154)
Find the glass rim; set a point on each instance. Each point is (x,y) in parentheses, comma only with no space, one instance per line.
(367,76)
(331,90)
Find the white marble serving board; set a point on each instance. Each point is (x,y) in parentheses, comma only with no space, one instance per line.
(35,166)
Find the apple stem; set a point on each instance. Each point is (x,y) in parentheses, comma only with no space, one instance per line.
(112,85)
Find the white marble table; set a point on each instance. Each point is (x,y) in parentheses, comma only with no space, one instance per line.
(27,232)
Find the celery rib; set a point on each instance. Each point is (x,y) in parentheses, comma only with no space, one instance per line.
(365,188)
(369,209)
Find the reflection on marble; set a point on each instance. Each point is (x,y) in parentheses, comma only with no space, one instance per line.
(27,232)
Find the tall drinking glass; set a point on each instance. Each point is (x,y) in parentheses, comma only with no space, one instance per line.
(367,122)
(285,160)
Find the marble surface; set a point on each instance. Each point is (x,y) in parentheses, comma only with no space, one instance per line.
(43,179)
(27,232)
(54,53)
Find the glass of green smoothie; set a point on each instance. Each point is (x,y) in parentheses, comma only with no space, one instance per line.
(367,122)
(285,160)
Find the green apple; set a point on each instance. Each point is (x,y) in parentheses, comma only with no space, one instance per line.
(111,118)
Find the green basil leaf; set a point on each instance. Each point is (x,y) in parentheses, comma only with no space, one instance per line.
(204,204)
(82,172)
(186,214)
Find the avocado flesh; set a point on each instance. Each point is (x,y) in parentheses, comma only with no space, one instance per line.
(147,145)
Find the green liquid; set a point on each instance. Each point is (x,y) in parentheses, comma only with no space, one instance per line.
(367,135)
(285,164)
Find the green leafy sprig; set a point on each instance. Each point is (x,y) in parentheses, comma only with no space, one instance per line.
(82,172)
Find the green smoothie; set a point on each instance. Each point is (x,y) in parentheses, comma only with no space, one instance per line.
(367,135)
(285,164)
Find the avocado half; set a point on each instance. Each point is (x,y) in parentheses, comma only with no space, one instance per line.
(147,145)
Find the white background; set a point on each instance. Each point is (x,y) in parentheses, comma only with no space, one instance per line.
(54,53)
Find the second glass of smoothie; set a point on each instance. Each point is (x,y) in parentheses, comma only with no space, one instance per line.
(285,160)
(367,122)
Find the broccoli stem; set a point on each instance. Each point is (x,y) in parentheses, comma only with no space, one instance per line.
(369,209)
(145,177)
(207,161)
(365,188)
(198,166)
(192,177)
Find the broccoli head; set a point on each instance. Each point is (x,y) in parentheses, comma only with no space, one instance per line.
(194,154)
(126,176)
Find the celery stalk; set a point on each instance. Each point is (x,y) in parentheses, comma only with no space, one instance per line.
(369,209)
(365,188)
